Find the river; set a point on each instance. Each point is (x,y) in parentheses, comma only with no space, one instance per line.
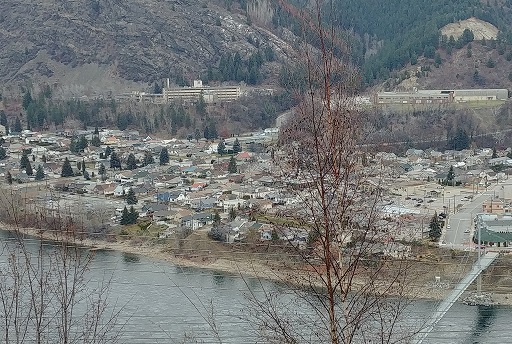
(163,303)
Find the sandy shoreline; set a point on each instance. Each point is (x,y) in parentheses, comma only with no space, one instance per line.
(236,267)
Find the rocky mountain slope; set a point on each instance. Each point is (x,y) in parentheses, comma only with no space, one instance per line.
(100,46)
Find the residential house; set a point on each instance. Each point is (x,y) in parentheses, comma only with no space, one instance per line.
(203,203)
(163,215)
(196,221)
(229,201)
(150,208)
(171,196)
(141,190)
(197,186)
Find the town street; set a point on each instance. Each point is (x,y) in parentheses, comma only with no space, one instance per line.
(460,230)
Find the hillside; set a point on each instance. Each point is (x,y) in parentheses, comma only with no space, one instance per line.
(101,46)
(480,28)
(472,66)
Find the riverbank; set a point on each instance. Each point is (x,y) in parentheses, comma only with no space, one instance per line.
(240,264)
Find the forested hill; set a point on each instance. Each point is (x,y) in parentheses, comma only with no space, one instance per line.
(109,46)
(393,33)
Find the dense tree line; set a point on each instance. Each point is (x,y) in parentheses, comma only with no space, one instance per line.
(404,31)
(233,68)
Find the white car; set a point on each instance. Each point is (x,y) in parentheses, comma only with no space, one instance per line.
(466,231)
(448,227)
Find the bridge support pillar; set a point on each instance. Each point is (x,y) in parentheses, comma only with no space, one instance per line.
(479,285)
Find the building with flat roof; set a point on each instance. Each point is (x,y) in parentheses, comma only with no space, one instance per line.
(494,230)
(170,94)
(441,96)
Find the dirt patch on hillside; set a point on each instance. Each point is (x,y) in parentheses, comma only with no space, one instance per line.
(481,29)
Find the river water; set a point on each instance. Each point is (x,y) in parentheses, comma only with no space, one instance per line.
(163,303)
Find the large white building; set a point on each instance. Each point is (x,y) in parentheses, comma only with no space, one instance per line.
(169,94)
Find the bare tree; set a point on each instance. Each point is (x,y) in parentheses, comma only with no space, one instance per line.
(46,294)
(345,285)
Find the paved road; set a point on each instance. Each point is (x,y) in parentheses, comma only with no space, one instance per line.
(461,221)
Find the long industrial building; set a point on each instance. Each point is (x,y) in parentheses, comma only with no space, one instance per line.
(169,94)
(441,96)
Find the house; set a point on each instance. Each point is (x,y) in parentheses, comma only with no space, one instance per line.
(109,190)
(203,203)
(100,188)
(260,204)
(266,234)
(111,140)
(153,207)
(78,187)
(175,182)
(170,196)
(228,201)
(119,191)
(124,176)
(243,156)
(141,190)
(197,186)
(162,215)
(196,221)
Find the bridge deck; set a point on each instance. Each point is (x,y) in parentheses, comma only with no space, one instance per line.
(444,306)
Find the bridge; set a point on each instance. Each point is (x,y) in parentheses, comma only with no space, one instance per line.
(480,265)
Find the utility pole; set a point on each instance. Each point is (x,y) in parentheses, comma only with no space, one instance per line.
(479,278)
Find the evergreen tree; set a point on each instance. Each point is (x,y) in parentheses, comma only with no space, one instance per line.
(197,134)
(102,171)
(3,118)
(108,151)
(201,106)
(83,166)
(115,162)
(73,145)
(3,153)
(232,168)
(450,177)
(221,147)
(28,169)
(232,214)
(39,173)
(236,147)
(96,131)
(86,175)
(206,132)
(435,228)
(131,162)
(131,198)
(132,216)
(148,159)
(27,100)
(8,177)
(164,156)
(95,141)
(494,153)
(67,170)
(17,125)
(24,160)
(216,219)
(125,217)
(82,143)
